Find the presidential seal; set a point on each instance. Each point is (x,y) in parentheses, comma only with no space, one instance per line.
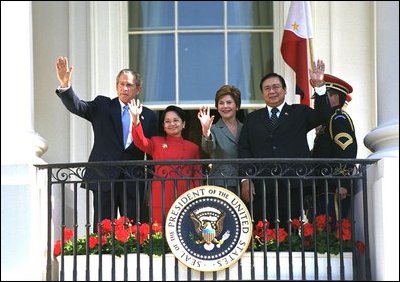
(208,228)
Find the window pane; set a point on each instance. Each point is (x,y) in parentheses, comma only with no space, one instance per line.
(148,15)
(201,66)
(202,61)
(250,56)
(153,57)
(200,14)
(250,14)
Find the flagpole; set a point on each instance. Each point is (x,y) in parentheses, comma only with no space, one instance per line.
(310,44)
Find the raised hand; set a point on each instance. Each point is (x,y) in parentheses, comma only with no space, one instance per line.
(245,193)
(135,108)
(342,193)
(317,73)
(205,120)
(63,72)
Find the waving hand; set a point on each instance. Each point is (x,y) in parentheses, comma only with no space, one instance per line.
(135,108)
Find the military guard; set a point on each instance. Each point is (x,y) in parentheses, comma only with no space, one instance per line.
(336,139)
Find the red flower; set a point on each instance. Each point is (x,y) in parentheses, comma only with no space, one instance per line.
(68,234)
(125,236)
(57,248)
(282,234)
(308,229)
(144,231)
(339,238)
(346,234)
(93,242)
(157,227)
(270,234)
(346,230)
(258,229)
(259,225)
(105,226)
(296,224)
(322,222)
(122,223)
(346,224)
(122,235)
(360,247)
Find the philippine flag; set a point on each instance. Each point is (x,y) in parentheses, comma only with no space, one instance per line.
(298,29)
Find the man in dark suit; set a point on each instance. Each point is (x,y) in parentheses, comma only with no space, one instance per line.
(112,140)
(278,131)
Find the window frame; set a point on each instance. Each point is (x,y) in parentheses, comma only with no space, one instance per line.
(225,30)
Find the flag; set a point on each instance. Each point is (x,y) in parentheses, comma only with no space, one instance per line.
(298,29)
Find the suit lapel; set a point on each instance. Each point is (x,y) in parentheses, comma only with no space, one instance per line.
(283,115)
(116,118)
(225,130)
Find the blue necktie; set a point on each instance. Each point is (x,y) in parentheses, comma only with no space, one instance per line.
(125,123)
(274,119)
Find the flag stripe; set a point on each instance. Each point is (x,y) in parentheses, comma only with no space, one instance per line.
(294,45)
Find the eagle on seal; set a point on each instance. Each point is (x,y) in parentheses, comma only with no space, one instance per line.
(208,229)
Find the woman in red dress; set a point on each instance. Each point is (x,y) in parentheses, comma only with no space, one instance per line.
(170,147)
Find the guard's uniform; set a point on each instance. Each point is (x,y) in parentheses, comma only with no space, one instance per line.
(336,139)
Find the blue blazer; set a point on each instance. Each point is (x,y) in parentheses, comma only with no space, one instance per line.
(104,114)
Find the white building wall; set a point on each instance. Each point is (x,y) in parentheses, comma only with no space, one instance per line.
(348,37)
(23,232)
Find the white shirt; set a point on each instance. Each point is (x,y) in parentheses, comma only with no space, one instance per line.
(279,110)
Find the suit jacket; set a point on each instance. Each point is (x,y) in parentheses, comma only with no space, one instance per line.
(223,145)
(287,140)
(104,114)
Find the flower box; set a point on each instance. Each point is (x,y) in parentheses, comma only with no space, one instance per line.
(182,271)
(297,266)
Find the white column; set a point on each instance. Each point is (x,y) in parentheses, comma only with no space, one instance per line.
(383,141)
(19,142)
(22,236)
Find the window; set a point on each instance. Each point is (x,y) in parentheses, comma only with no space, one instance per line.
(185,50)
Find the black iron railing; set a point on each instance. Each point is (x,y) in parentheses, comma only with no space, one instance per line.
(308,179)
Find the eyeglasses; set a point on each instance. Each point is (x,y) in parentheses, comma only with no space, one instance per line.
(174,121)
(274,87)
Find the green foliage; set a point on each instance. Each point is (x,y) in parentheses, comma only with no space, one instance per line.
(157,246)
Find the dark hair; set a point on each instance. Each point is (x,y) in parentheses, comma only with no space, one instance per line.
(138,80)
(228,90)
(272,74)
(179,111)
